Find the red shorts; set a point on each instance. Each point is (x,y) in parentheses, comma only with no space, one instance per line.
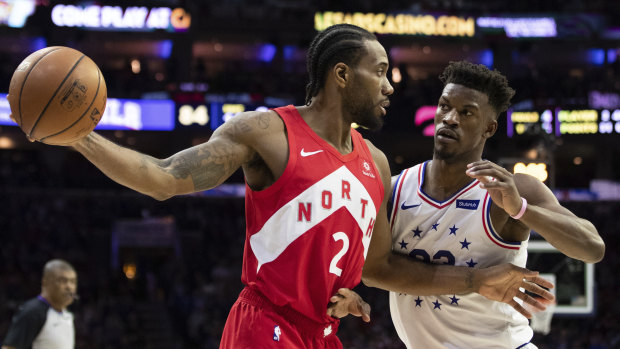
(255,323)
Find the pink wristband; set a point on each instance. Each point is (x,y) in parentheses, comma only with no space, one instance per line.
(523,207)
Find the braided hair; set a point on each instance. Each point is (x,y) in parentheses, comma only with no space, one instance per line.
(338,43)
(480,78)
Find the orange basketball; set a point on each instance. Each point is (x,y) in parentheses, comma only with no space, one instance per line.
(57,95)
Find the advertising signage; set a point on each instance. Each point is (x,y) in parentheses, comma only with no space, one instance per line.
(14,13)
(137,115)
(121,114)
(522,27)
(512,26)
(159,115)
(400,24)
(95,17)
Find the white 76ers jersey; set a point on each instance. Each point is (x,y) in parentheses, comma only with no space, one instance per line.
(457,231)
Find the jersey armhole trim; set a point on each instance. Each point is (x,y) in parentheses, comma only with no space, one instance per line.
(285,113)
(488,226)
(396,195)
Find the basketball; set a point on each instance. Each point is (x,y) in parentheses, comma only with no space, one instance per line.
(57,95)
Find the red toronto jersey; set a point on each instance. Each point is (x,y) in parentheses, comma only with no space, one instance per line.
(308,233)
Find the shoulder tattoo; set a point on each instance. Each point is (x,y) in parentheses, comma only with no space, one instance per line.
(263,121)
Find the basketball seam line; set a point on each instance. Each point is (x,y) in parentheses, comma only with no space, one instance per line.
(54,95)
(86,111)
(19,103)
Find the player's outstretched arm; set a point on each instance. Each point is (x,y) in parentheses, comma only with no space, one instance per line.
(574,236)
(194,169)
(398,273)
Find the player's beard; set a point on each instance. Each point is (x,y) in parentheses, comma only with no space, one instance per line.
(358,103)
(440,153)
(445,153)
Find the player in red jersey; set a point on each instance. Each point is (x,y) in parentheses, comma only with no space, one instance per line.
(314,190)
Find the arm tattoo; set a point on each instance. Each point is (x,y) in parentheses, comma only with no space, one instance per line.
(242,127)
(204,178)
(263,121)
(88,144)
(143,163)
(211,164)
(207,168)
(237,127)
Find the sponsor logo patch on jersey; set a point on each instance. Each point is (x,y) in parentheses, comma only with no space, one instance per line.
(366,171)
(467,204)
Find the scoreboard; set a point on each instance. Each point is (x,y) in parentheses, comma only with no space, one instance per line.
(560,121)
(212,114)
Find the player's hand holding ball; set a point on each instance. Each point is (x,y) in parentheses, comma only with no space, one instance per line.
(57,95)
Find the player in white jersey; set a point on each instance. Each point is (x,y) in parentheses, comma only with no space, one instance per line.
(460,210)
(455,231)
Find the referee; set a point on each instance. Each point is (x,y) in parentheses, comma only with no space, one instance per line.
(44,321)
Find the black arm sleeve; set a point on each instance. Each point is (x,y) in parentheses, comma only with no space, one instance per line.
(26,324)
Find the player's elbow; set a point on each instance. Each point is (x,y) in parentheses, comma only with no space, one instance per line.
(593,245)
(596,252)
(159,193)
(160,196)
(369,279)
(163,189)
(371,275)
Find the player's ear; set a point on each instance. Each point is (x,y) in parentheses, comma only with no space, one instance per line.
(491,128)
(341,74)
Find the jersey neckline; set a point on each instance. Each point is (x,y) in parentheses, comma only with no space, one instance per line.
(323,143)
(436,203)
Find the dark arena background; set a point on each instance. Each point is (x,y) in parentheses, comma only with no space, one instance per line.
(164,274)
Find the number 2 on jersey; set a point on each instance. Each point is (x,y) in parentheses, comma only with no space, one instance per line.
(345,247)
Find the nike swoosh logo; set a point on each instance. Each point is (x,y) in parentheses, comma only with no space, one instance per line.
(406,207)
(304,153)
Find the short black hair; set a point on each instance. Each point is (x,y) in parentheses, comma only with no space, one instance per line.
(480,78)
(338,43)
(56,264)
